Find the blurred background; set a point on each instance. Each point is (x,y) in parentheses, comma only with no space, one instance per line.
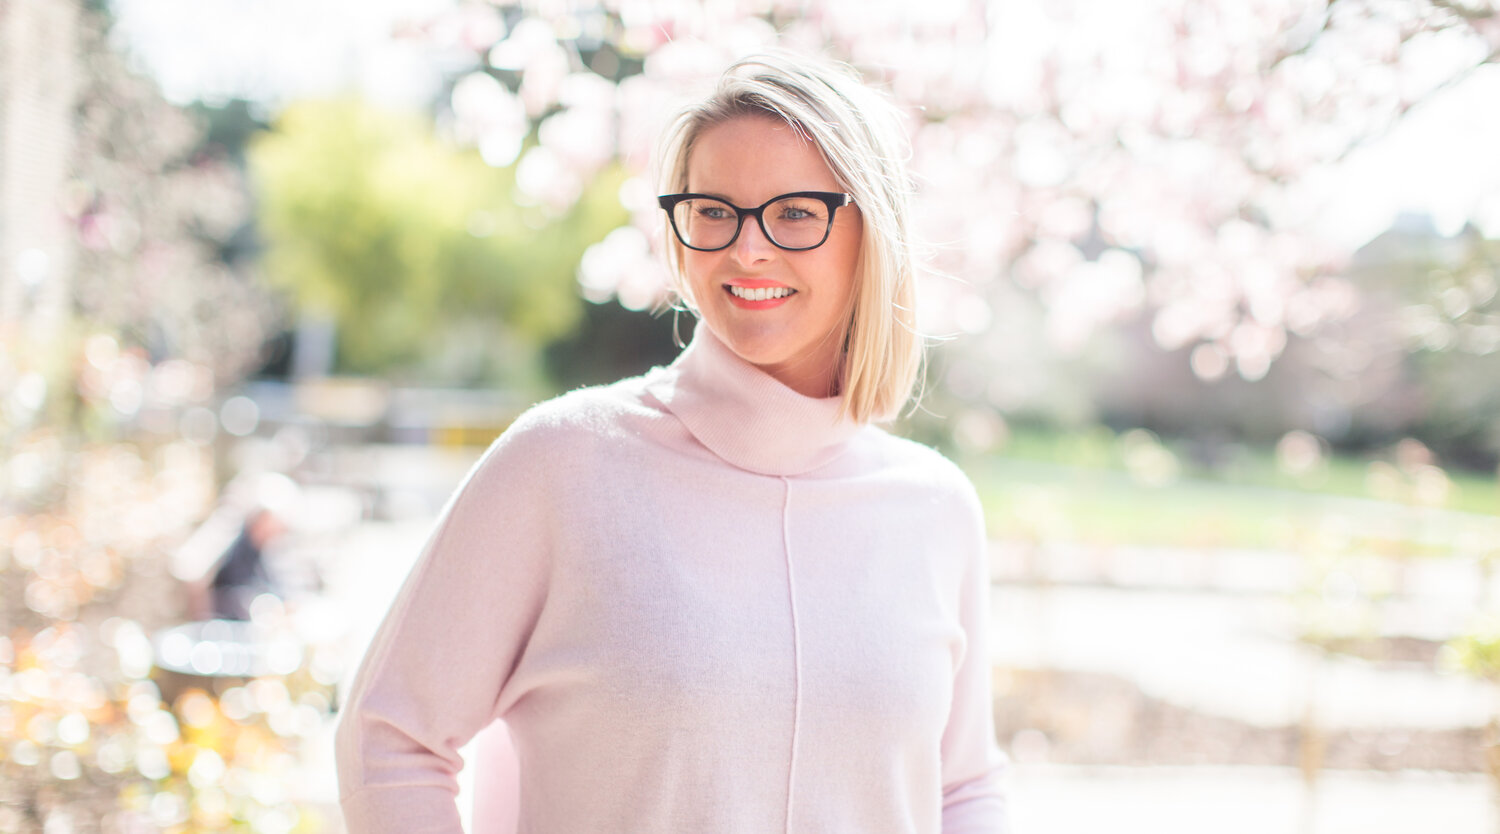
(1216,335)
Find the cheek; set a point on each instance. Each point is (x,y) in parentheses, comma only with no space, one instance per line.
(697,267)
(845,267)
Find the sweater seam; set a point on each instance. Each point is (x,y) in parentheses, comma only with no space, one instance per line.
(791,587)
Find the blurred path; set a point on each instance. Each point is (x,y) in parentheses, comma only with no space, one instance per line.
(1235,657)
(1050,799)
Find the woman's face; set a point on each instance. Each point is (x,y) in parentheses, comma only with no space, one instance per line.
(796,339)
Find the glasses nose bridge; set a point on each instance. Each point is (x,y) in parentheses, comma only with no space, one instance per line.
(759,214)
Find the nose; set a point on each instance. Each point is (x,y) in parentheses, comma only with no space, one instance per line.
(752,246)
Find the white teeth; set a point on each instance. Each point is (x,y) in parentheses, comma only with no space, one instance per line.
(762,294)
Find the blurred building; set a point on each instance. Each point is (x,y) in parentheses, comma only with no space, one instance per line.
(39,79)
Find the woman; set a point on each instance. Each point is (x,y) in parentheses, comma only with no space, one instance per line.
(715,598)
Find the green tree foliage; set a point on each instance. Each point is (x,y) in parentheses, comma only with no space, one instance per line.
(409,243)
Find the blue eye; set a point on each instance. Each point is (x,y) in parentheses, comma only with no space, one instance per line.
(799,210)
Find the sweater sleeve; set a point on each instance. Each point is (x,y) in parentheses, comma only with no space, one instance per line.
(973,765)
(437,670)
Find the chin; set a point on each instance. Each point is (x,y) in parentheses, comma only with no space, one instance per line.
(754,350)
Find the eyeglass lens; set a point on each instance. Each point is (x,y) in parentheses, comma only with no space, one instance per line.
(792,222)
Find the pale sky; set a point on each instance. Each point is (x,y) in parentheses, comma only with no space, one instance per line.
(1439,161)
(278,50)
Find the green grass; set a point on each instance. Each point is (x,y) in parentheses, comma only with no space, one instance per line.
(1083,487)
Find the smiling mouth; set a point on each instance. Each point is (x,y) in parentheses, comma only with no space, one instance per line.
(759,294)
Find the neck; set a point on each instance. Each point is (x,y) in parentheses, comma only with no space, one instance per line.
(808,377)
(746,414)
(814,373)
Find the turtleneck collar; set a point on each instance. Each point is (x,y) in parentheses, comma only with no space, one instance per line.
(744,415)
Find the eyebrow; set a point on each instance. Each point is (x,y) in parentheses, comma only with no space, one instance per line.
(719,195)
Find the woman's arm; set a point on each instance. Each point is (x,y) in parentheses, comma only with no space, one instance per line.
(436,669)
(973,766)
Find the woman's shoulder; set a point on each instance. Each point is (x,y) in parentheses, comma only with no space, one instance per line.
(579,422)
(935,489)
(590,411)
(925,467)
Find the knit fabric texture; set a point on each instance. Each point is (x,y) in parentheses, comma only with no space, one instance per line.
(700,603)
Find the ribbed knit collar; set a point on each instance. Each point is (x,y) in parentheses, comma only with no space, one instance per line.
(744,415)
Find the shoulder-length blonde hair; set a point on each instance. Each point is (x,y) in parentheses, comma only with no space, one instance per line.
(859,134)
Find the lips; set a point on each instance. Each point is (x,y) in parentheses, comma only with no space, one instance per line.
(761,294)
(752,294)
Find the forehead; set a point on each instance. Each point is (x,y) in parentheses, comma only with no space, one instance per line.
(750,159)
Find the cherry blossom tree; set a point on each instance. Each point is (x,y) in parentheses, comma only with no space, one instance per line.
(1112,159)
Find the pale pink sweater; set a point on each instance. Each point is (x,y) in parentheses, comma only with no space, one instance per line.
(700,604)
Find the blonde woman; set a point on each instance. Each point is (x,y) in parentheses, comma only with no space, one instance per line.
(715,597)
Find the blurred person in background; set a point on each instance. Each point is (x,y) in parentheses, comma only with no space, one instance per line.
(222,566)
(715,597)
(242,575)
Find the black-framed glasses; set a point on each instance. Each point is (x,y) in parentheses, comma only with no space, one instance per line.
(796,222)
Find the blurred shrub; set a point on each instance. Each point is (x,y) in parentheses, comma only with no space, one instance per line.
(414,247)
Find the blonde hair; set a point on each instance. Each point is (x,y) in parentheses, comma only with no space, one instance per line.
(859,134)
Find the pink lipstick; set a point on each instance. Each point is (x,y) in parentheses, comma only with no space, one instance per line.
(755,294)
